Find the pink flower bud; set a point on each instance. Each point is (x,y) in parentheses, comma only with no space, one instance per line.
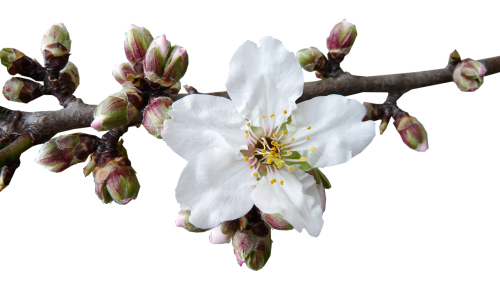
(121,71)
(341,38)
(468,75)
(217,237)
(155,115)
(253,246)
(137,41)
(183,221)
(412,132)
(118,109)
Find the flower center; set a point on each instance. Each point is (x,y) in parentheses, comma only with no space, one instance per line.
(271,148)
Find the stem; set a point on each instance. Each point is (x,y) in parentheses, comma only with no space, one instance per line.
(14,150)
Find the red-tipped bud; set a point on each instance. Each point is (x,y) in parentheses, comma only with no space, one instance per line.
(253,246)
(122,71)
(118,109)
(468,75)
(341,38)
(21,90)
(183,221)
(412,132)
(155,115)
(137,41)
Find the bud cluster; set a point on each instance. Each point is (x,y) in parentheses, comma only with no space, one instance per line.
(61,152)
(164,65)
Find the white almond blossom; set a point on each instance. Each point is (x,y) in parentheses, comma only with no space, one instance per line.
(253,149)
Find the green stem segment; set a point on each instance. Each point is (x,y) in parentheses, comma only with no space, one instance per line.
(14,150)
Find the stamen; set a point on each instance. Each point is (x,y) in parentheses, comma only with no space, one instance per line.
(291,169)
(309,128)
(303,159)
(263,116)
(248,124)
(272,115)
(251,166)
(255,174)
(293,139)
(269,160)
(246,136)
(313,148)
(284,132)
(246,158)
(246,132)
(284,111)
(281,182)
(263,151)
(307,138)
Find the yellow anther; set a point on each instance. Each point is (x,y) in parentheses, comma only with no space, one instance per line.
(264,155)
(248,124)
(246,132)
(273,149)
(263,151)
(291,169)
(247,136)
(285,132)
(263,116)
(293,139)
(303,159)
(251,166)
(255,175)
(275,135)
(288,152)
(281,182)
(269,160)
(313,148)
(309,128)
(307,138)
(273,181)
(272,115)
(246,159)
(265,143)
(284,111)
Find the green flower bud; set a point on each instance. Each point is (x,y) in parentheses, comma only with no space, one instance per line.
(253,246)
(341,38)
(311,59)
(118,109)
(469,75)
(412,132)
(276,221)
(176,66)
(155,114)
(9,54)
(137,41)
(56,46)
(116,181)
(69,78)
(61,152)
(21,90)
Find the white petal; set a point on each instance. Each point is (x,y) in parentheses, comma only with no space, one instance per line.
(337,132)
(297,200)
(217,237)
(216,185)
(201,122)
(264,80)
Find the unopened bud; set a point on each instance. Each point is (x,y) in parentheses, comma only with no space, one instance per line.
(9,56)
(21,90)
(165,65)
(7,172)
(116,181)
(183,221)
(155,115)
(56,46)
(222,234)
(137,41)
(468,75)
(253,246)
(341,38)
(454,57)
(118,109)
(69,79)
(121,71)
(61,152)
(412,132)
(276,221)
(176,66)
(311,59)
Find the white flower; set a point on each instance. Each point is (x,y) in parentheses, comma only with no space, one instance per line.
(242,152)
